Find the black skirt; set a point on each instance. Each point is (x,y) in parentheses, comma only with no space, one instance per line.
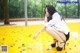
(67,36)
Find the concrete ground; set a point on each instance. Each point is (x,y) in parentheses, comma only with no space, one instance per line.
(19,39)
(38,22)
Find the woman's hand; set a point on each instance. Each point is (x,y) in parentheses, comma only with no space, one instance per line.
(38,32)
(36,35)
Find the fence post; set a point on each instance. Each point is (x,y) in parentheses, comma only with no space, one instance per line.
(25,11)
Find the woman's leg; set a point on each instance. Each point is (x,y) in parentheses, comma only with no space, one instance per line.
(54,34)
(60,34)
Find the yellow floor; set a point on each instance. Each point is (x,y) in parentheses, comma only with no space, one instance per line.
(19,39)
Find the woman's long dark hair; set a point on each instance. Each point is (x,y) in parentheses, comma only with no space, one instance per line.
(51,11)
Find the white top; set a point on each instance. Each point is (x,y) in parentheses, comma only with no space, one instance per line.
(57,23)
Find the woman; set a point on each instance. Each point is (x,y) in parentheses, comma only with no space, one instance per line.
(56,27)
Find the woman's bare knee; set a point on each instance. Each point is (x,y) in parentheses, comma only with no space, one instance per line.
(48,29)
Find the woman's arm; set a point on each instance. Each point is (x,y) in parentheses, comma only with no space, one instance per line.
(55,19)
(45,19)
(43,28)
